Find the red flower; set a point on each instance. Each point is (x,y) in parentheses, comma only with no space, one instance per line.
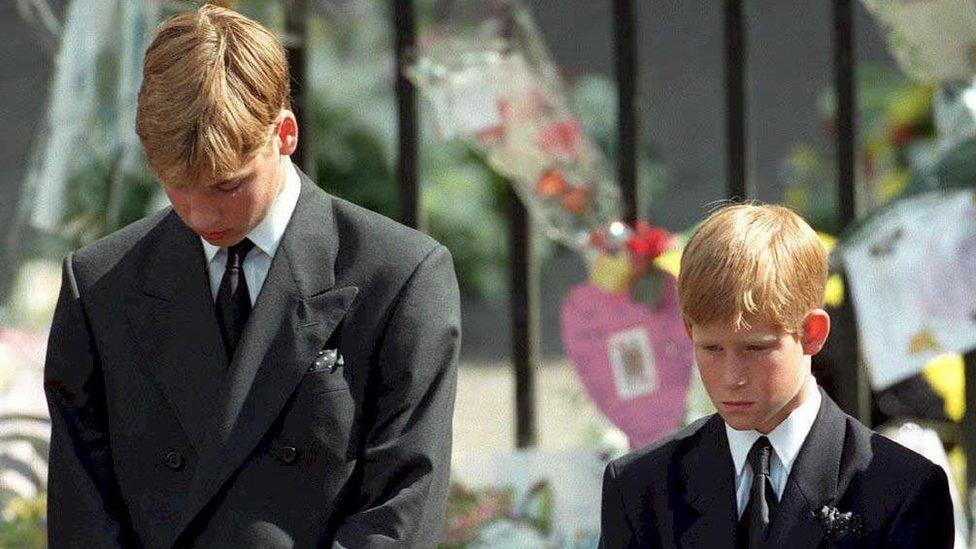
(902,135)
(648,242)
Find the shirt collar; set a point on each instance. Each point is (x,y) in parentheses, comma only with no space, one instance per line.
(786,439)
(268,234)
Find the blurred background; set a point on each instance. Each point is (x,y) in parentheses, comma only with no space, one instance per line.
(721,99)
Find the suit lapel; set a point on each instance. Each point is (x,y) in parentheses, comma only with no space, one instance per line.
(171,319)
(708,513)
(297,310)
(814,481)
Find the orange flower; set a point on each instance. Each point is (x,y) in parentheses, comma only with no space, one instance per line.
(575,200)
(550,183)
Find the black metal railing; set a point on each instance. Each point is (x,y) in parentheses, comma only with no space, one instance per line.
(852,392)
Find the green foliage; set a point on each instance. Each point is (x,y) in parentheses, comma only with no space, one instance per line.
(351,160)
(465,205)
(23,524)
(102,198)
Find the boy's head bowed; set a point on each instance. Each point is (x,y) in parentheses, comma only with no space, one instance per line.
(752,262)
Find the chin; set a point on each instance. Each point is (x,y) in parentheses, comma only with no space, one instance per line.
(740,423)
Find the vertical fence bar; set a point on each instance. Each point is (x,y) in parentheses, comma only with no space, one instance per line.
(969,434)
(853,394)
(736,185)
(296,39)
(844,85)
(969,430)
(625,47)
(524,311)
(407,165)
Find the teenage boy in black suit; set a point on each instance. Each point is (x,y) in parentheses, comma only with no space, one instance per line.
(261,365)
(779,465)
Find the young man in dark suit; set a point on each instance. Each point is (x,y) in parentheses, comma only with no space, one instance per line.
(261,365)
(779,465)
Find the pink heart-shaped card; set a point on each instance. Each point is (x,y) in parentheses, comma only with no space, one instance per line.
(634,362)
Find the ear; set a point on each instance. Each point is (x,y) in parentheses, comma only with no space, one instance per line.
(816,328)
(287,132)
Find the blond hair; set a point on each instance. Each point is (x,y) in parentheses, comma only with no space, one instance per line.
(214,83)
(752,262)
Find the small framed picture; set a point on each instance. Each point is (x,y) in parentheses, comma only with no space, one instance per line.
(632,363)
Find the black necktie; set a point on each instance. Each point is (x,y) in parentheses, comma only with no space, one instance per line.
(754,523)
(233,299)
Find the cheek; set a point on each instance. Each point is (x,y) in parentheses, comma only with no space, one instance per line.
(711,375)
(236,206)
(176,199)
(180,203)
(782,378)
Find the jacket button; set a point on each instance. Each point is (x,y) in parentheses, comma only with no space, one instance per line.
(288,454)
(173,460)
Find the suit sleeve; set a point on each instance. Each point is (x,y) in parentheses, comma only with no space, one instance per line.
(83,500)
(925,518)
(615,530)
(406,457)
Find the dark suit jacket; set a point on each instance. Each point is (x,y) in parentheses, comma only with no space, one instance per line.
(147,449)
(680,492)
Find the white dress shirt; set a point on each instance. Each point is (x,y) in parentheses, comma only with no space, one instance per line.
(266,237)
(786,440)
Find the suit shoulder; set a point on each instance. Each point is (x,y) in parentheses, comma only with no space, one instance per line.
(888,459)
(656,456)
(98,257)
(395,243)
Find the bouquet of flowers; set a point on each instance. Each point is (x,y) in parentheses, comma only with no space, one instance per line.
(490,81)
(494,515)
(933,41)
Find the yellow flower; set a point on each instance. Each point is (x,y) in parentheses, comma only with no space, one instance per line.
(909,106)
(611,272)
(945,373)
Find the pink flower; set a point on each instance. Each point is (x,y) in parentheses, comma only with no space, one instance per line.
(564,138)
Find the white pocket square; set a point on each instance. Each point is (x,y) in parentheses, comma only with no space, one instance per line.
(328,359)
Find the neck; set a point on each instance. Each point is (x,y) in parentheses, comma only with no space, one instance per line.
(282,173)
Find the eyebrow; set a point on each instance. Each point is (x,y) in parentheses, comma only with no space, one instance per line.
(752,341)
(760,341)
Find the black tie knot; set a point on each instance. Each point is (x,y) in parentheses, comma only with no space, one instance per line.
(759,456)
(237,253)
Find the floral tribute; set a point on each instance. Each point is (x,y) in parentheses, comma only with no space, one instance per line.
(488,516)
(490,82)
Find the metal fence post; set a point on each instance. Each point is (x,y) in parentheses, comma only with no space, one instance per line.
(296,39)
(524,314)
(736,185)
(406,96)
(625,47)
(854,394)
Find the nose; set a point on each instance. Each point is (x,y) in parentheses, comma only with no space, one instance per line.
(733,373)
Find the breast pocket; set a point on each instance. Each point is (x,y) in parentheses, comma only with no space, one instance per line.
(326,374)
